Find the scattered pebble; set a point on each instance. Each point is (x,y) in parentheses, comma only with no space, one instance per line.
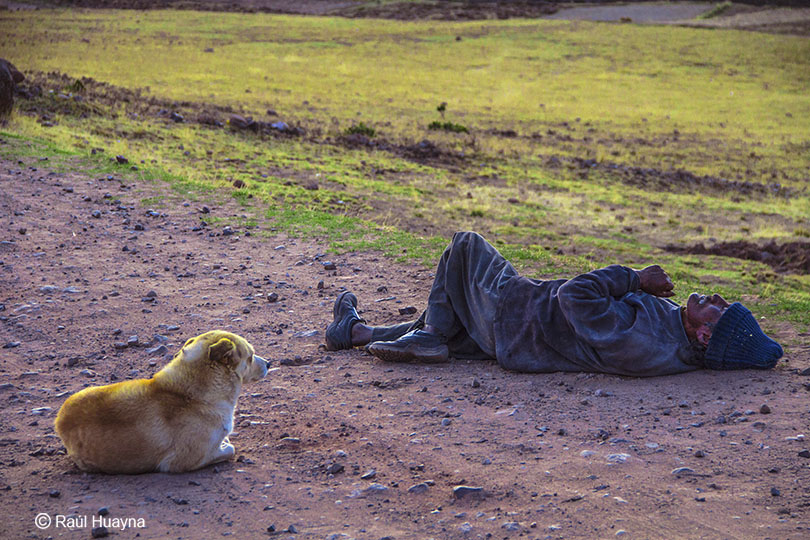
(100,532)
(418,489)
(683,470)
(468,492)
(764,409)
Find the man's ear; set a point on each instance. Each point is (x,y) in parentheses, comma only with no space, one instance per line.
(703,334)
(223,351)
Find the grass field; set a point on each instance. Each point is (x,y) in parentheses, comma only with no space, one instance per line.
(574,132)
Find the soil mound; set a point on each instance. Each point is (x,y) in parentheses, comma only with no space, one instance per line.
(790,257)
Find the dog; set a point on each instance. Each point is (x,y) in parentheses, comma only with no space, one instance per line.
(177,421)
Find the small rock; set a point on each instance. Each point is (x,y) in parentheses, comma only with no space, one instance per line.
(272,297)
(11,345)
(368,475)
(700,454)
(176,117)
(292,530)
(321,285)
(22,230)
(96,214)
(805,372)
(132,341)
(512,526)
(328,265)
(682,470)
(764,409)
(159,350)
(335,468)
(410,310)
(418,489)
(103,511)
(54,493)
(88,373)
(468,492)
(227,231)
(775,492)
(804,453)
(100,532)
(122,161)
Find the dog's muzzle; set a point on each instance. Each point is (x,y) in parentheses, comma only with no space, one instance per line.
(262,362)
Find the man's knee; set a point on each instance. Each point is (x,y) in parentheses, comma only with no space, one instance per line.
(468,238)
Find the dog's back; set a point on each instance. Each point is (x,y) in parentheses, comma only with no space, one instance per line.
(105,428)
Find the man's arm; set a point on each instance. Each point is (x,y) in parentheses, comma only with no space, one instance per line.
(588,300)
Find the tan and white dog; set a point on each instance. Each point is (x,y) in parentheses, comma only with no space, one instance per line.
(177,421)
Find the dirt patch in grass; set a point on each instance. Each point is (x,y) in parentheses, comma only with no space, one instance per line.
(790,257)
(676,180)
(452,11)
(444,10)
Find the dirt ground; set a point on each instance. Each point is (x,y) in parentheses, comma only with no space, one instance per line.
(338,445)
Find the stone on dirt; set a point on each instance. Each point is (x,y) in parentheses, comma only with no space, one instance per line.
(468,492)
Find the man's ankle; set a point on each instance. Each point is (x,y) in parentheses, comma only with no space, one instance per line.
(361,334)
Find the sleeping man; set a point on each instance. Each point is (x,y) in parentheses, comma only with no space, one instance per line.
(612,320)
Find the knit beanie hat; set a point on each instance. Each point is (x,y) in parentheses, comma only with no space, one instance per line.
(738,342)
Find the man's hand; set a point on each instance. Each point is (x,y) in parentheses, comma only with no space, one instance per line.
(655,281)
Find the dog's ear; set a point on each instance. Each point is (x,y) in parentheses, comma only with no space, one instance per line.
(223,351)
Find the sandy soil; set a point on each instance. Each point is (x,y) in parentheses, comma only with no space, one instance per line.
(340,445)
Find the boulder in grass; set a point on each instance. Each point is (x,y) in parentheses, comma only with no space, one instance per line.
(9,77)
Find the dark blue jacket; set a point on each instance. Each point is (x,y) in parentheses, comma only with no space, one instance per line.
(600,321)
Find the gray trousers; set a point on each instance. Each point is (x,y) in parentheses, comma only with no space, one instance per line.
(463,299)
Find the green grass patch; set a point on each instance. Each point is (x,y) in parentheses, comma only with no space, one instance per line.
(447,126)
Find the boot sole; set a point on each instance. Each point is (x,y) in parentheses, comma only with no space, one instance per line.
(428,355)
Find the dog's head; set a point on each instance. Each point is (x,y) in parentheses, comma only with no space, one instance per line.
(229,350)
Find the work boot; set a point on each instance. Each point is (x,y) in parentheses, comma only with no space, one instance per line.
(415,346)
(344,313)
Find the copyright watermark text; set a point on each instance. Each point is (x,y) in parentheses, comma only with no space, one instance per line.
(43,521)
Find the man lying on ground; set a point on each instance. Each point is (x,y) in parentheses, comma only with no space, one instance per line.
(613,320)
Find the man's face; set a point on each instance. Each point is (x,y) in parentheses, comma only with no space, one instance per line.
(702,309)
